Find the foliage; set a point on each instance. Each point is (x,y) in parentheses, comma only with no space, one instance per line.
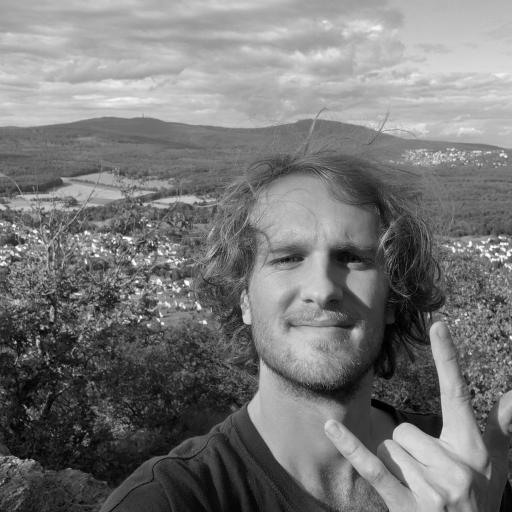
(479,300)
(480,294)
(132,215)
(155,389)
(470,200)
(38,171)
(84,360)
(478,312)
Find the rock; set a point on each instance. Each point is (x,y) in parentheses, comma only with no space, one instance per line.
(25,486)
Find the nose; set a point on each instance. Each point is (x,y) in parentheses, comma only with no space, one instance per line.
(322,284)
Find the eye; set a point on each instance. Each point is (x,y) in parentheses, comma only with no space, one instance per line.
(348,257)
(285,261)
(353,259)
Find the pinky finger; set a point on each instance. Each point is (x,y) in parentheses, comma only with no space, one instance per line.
(370,467)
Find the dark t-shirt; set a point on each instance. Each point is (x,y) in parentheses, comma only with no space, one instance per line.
(231,469)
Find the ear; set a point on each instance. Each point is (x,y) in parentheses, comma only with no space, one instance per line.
(246,308)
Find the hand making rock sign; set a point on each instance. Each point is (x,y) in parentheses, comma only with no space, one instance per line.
(462,471)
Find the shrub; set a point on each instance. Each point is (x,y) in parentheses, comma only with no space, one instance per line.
(84,359)
(479,300)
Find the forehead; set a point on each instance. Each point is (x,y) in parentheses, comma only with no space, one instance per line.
(301,207)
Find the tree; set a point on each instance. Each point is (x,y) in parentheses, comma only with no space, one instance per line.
(84,359)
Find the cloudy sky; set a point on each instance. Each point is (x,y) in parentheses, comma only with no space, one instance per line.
(438,68)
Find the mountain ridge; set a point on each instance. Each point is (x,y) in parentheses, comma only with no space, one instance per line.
(203,157)
(157,130)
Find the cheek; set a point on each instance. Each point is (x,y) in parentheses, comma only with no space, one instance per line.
(271,295)
(370,289)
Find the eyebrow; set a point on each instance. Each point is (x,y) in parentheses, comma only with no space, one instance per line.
(285,245)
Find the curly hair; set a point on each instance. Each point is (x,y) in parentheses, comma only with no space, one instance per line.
(405,249)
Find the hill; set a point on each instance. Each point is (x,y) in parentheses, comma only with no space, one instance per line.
(286,137)
(471,183)
(124,141)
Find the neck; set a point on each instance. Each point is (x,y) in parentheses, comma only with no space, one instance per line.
(292,425)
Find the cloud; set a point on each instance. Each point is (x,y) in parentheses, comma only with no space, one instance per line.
(506,130)
(461,131)
(83,42)
(252,58)
(502,32)
(433,48)
(93,69)
(233,62)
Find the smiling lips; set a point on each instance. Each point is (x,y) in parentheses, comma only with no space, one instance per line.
(321,323)
(332,319)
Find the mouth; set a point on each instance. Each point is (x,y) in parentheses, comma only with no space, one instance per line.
(334,320)
(322,323)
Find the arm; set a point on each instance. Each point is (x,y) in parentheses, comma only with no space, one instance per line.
(462,471)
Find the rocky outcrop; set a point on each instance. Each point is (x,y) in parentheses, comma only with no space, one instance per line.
(25,486)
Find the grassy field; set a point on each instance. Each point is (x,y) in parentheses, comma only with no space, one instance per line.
(97,189)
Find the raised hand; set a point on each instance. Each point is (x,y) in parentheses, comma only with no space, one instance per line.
(462,471)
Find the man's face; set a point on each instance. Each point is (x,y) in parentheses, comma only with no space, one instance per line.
(316,298)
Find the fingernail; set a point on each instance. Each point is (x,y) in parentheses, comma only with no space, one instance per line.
(442,329)
(332,428)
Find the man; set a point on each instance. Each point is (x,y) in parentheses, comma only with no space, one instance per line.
(329,273)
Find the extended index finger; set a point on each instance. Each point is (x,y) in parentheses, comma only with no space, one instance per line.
(455,396)
(369,466)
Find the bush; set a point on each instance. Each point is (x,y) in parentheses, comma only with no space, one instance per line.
(477,310)
(85,361)
(153,390)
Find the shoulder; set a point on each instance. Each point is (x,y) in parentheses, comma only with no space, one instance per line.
(180,480)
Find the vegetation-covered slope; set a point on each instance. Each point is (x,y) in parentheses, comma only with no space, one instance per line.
(471,194)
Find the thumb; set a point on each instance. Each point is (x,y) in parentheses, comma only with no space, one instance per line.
(499,427)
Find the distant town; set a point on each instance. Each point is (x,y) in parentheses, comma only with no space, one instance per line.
(454,157)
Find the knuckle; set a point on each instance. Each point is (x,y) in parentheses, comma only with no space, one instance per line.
(376,473)
(461,484)
(352,449)
(482,461)
(463,478)
(437,499)
(459,391)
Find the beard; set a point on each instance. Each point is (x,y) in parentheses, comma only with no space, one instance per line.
(328,370)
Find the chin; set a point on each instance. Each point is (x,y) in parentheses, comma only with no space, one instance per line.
(321,379)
